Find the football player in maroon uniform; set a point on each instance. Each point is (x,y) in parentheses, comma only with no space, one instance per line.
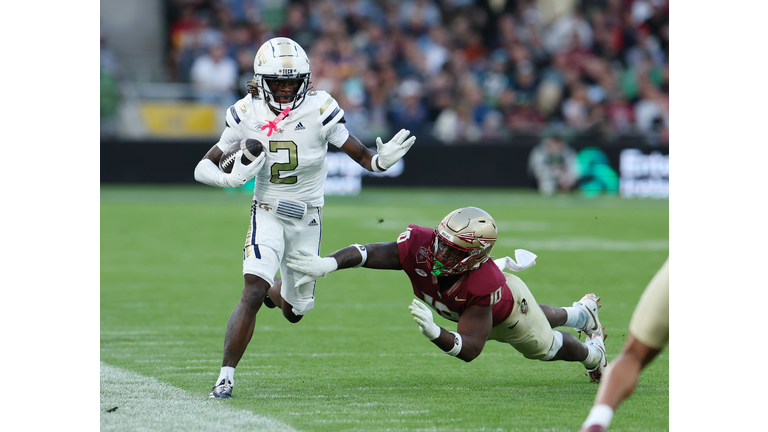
(450,271)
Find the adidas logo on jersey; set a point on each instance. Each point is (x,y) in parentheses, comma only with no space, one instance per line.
(313,223)
(299,127)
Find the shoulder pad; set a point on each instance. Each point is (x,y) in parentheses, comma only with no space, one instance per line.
(237,112)
(485,280)
(330,113)
(416,235)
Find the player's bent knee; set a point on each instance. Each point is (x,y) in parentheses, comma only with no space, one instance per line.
(254,290)
(303,309)
(293,319)
(557,343)
(637,349)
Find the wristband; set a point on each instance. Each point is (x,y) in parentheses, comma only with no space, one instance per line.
(456,346)
(363,252)
(375,165)
(330,265)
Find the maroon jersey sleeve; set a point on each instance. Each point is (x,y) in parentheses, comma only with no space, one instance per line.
(412,245)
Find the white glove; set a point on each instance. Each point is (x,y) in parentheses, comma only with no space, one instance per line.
(242,173)
(423,317)
(392,151)
(304,280)
(310,264)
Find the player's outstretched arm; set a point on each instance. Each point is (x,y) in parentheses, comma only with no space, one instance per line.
(383,256)
(373,255)
(358,152)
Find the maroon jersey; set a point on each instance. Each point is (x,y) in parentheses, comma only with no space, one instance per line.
(484,286)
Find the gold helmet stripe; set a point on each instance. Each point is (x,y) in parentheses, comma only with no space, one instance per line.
(286,55)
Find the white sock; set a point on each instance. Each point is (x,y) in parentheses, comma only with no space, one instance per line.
(599,414)
(593,357)
(577,318)
(226,372)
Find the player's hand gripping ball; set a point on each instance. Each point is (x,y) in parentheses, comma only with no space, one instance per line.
(251,150)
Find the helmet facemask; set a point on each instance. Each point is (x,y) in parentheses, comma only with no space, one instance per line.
(446,258)
(271,85)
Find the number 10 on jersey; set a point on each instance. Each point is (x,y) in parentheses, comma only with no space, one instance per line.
(441,308)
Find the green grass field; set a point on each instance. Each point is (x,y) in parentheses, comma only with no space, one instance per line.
(171,274)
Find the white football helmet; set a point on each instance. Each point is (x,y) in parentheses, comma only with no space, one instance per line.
(462,241)
(279,60)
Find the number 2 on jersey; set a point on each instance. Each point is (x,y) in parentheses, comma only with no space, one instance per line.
(293,161)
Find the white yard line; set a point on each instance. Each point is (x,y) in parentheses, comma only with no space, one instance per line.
(146,404)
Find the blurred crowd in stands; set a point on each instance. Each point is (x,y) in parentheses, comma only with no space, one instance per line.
(459,70)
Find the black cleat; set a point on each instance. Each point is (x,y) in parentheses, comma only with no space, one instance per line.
(222,390)
(268,302)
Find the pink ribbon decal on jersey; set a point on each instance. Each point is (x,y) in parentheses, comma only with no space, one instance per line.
(272,125)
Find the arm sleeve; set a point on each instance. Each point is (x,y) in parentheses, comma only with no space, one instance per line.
(207,172)
(336,135)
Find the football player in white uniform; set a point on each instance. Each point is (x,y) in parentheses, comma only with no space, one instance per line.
(294,125)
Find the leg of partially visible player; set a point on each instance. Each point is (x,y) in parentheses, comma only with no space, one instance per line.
(648,335)
(620,381)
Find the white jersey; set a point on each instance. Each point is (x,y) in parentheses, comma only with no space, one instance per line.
(296,165)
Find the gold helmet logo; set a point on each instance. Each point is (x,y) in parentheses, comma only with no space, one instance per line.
(260,57)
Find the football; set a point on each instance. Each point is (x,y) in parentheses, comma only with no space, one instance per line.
(251,150)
